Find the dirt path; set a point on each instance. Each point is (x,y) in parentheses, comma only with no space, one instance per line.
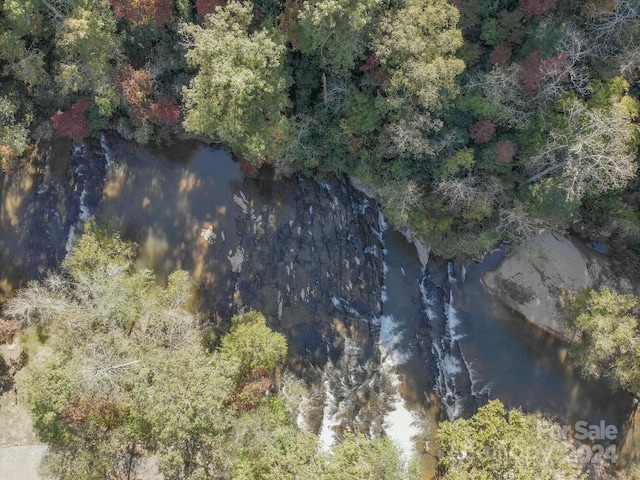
(20,450)
(21,462)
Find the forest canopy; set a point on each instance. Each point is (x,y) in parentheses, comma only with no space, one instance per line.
(475,120)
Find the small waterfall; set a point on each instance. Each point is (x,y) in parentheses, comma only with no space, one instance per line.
(364,394)
(400,425)
(89,174)
(106,150)
(330,418)
(455,381)
(348,384)
(82,217)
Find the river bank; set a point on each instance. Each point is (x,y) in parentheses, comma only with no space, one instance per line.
(388,339)
(535,276)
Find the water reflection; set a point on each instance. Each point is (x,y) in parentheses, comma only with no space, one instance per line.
(164,205)
(526,367)
(33,213)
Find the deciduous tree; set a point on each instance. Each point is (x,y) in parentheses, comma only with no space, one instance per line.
(592,148)
(495,443)
(416,46)
(336,32)
(72,122)
(240,91)
(607,340)
(507,104)
(482,131)
(19,45)
(88,48)
(14,134)
(143,12)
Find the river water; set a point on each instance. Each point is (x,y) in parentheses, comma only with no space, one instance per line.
(384,344)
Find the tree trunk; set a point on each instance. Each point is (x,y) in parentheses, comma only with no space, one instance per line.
(547,170)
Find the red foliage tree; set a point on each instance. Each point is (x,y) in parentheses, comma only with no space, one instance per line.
(535,71)
(251,390)
(505,150)
(72,123)
(530,73)
(136,88)
(144,12)
(482,131)
(375,70)
(205,7)
(135,85)
(166,111)
(501,55)
(531,8)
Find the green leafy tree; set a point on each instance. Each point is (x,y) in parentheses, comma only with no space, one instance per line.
(19,49)
(608,343)
(88,49)
(240,91)
(14,133)
(253,344)
(416,46)
(358,458)
(271,446)
(336,33)
(495,444)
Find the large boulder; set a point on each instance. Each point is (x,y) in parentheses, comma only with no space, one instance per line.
(533,278)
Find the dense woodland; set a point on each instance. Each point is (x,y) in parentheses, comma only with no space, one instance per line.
(475,120)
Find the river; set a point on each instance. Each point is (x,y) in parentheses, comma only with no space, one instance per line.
(385,344)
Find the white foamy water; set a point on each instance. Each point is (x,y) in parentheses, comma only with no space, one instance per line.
(330,419)
(448,353)
(453,321)
(85,213)
(400,424)
(340,383)
(106,150)
(390,341)
(82,217)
